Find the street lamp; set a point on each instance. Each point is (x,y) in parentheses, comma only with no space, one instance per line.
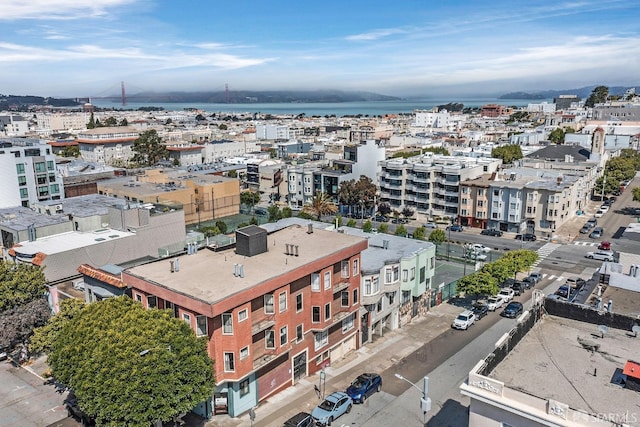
(425,402)
(323,379)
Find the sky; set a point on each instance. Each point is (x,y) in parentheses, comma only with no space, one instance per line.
(406,48)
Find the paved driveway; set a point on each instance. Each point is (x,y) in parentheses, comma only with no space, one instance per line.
(25,401)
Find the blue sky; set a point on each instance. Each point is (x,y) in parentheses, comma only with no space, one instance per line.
(403,48)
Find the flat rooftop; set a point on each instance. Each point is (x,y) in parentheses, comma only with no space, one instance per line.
(550,363)
(68,241)
(209,276)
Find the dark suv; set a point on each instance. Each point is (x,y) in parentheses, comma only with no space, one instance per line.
(301,419)
(518,287)
(491,232)
(527,237)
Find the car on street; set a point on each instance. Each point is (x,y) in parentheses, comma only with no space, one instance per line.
(478,247)
(380,218)
(332,407)
(600,213)
(491,232)
(604,207)
(527,237)
(464,320)
(455,227)
(506,294)
(431,225)
(400,221)
(518,288)
(494,303)
(592,222)
(301,419)
(600,255)
(575,282)
(480,310)
(585,229)
(533,277)
(596,233)
(512,310)
(476,256)
(364,386)
(604,246)
(563,291)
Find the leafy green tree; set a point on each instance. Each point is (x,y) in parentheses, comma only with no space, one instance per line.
(232,174)
(352,223)
(401,231)
(320,205)
(598,96)
(305,215)
(20,284)
(508,153)
(70,151)
(383,228)
(149,149)
(250,198)
(46,336)
(222,226)
(367,227)
(17,324)
(407,212)
(478,283)
(636,194)
(500,270)
(357,195)
(124,122)
(437,236)
(436,150)
(210,230)
(222,126)
(286,212)
(420,233)
(274,213)
(557,136)
(253,221)
(111,121)
(92,122)
(114,349)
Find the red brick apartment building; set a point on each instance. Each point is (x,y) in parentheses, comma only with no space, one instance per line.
(275,308)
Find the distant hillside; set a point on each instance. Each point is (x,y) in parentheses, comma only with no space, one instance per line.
(9,102)
(253,97)
(582,92)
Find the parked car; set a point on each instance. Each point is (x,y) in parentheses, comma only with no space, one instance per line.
(455,227)
(431,225)
(506,294)
(600,256)
(491,232)
(332,407)
(518,288)
(604,207)
(74,411)
(400,221)
(494,303)
(512,310)
(575,282)
(585,229)
(527,237)
(480,310)
(563,291)
(604,246)
(592,222)
(596,233)
(464,320)
(364,386)
(476,256)
(380,218)
(508,282)
(301,419)
(534,277)
(477,247)
(600,213)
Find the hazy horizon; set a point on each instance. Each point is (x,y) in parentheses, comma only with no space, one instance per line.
(85,48)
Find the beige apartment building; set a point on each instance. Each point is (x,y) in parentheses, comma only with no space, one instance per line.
(203,197)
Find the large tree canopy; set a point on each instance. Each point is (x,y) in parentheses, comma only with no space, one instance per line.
(320,205)
(131,366)
(508,153)
(20,284)
(149,149)
(598,95)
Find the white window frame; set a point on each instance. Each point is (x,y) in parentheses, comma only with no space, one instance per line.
(327,280)
(348,323)
(244,350)
(300,336)
(321,339)
(356,267)
(272,304)
(388,274)
(319,314)
(315,282)
(282,301)
(344,269)
(225,324)
(342,295)
(301,297)
(284,337)
(199,331)
(327,305)
(187,318)
(243,315)
(266,339)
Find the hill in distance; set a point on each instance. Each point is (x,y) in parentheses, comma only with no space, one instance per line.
(582,92)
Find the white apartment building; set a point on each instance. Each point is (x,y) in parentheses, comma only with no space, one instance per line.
(224,149)
(430,184)
(13,125)
(107,145)
(57,122)
(443,120)
(272,132)
(28,172)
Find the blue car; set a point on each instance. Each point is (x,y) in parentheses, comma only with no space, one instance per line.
(333,406)
(364,386)
(455,227)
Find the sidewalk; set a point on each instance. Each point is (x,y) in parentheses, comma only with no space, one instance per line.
(570,230)
(383,353)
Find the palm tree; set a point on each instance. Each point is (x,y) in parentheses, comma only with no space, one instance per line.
(320,205)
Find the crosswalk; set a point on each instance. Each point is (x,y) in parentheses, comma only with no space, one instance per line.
(545,250)
(586,243)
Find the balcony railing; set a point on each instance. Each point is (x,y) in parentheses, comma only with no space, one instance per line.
(262,325)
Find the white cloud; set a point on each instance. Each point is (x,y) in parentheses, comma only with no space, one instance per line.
(375,35)
(57,9)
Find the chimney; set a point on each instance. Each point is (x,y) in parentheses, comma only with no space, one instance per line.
(177,265)
(172,266)
(385,244)
(310,228)
(286,251)
(241,270)
(296,249)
